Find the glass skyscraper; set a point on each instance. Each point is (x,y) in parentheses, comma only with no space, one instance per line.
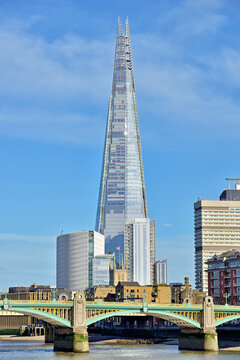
(122,194)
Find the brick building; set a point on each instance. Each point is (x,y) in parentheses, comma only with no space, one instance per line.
(224,277)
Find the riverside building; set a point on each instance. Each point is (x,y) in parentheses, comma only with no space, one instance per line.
(224,278)
(217,229)
(122,194)
(75,252)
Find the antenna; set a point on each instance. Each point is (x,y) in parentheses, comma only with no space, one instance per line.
(232,179)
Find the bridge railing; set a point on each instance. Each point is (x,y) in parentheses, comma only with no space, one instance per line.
(140,304)
(44,302)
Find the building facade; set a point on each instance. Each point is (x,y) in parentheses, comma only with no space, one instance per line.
(101,266)
(100,292)
(217,229)
(118,273)
(181,293)
(133,291)
(75,252)
(122,189)
(160,272)
(33,292)
(139,247)
(224,278)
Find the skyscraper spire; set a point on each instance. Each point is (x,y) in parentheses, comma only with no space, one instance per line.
(122,194)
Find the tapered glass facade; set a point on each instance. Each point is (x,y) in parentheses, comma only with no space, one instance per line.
(122,191)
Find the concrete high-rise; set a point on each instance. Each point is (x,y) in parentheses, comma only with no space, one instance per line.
(217,229)
(75,252)
(122,194)
(139,247)
(160,275)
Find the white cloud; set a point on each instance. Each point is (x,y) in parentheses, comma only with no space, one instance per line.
(58,90)
(65,69)
(193,18)
(167,225)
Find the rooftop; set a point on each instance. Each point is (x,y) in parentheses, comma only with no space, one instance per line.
(129,283)
(227,255)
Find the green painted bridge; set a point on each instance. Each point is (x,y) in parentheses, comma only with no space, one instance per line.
(60,313)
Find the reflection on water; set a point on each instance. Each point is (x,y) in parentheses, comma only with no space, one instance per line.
(38,351)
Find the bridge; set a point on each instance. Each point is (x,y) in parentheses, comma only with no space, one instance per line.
(71,318)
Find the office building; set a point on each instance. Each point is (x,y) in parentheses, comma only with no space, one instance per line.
(101,266)
(160,275)
(122,190)
(224,277)
(75,252)
(139,247)
(217,229)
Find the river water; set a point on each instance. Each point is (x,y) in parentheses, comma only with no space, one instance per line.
(38,351)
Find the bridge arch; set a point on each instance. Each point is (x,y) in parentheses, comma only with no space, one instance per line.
(227,319)
(43,315)
(176,319)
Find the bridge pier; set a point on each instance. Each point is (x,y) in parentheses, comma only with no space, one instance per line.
(74,339)
(204,339)
(49,334)
(70,340)
(194,339)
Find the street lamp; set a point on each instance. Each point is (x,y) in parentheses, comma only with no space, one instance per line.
(226,295)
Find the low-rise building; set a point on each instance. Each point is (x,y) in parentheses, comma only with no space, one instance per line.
(184,292)
(131,290)
(150,293)
(161,293)
(224,277)
(33,292)
(100,292)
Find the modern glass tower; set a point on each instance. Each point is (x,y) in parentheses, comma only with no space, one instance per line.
(122,194)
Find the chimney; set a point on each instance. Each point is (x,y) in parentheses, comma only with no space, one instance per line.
(186,282)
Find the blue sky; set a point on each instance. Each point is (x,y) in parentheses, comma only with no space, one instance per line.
(56,68)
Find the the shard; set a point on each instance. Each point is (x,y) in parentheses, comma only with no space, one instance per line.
(122,194)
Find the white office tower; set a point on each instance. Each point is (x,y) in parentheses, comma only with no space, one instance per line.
(75,252)
(160,272)
(217,230)
(139,250)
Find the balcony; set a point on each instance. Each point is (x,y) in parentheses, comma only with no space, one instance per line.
(228,284)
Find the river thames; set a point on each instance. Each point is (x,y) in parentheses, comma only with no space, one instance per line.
(38,351)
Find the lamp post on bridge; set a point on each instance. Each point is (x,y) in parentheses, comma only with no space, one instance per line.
(226,295)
